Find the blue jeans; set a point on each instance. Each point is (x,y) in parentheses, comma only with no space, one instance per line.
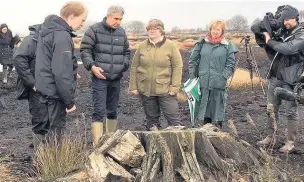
(105,99)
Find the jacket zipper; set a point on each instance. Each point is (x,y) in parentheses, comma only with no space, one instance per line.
(112,65)
(209,67)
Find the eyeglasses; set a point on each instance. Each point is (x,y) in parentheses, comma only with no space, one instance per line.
(153,29)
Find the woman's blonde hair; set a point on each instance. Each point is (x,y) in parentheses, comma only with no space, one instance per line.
(72,8)
(219,23)
(156,23)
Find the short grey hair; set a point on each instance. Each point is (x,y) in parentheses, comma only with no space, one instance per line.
(115,9)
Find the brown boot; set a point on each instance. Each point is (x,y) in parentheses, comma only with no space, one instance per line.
(267,141)
(289,145)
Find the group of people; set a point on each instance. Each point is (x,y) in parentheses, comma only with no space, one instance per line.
(47,71)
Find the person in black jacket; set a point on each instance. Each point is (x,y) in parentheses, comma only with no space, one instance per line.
(24,61)
(105,52)
(56,69)
(7,43)
(285,73)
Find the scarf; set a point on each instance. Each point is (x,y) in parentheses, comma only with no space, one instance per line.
(214,41)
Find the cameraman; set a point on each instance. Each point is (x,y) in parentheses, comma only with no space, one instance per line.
(285,72)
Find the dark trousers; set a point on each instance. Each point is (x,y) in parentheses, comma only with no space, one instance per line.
(53,117)
(105,99)
(37,110)
(154,104)
(291,114)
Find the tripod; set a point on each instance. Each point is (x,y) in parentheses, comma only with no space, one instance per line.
(250,58)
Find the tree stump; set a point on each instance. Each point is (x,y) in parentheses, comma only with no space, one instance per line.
(106,169)
(124,147)
(200,154)
(179,154)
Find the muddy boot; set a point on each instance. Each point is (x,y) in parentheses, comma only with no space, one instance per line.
(111,126)
(267,141)
(219,124)
(97,132)
(207,120)
(289,145)
(5,75)
(154,128)
(37,140)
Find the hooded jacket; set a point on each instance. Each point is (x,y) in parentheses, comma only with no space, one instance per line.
(55,68)
(24,61)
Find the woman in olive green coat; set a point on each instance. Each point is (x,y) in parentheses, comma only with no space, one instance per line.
(213,61)
(156,75)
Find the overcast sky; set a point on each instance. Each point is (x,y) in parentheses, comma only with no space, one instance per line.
(19,14)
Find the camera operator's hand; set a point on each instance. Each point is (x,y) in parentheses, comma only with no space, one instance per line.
(267,37)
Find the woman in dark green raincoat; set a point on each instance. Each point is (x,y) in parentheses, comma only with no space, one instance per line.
(213,61)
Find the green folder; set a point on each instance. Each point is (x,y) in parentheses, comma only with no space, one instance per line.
(192,89)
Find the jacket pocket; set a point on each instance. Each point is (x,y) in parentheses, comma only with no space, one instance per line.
(218,81)
(162,85)
(141,82)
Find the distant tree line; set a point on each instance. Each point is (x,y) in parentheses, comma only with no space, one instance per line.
(235,23)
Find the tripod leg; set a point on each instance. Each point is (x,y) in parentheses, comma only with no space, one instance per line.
(249,62)
(256,68)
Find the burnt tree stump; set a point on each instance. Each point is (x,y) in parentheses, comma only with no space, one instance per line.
(179,154)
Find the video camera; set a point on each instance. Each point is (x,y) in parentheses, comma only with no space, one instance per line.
(273,24)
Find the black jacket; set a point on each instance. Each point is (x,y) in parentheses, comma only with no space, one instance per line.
(24,61)
(106,48)
(290,52)
(7,43)
(55,68)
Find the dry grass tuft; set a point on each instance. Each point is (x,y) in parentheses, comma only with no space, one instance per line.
(232,128)
(55,159)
